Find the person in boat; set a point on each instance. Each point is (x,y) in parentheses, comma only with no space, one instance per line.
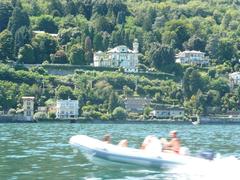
(123,143)
(107,138)
(146,142)
(173,145)
(151,144)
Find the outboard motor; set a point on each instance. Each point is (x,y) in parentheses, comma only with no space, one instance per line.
(208,154)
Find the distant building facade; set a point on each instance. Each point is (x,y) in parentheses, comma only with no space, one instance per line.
(28,107)
(120,56)
(193,58)
(67,109)
(167,112)
(42,109)
(234,79)
(43,32)
(136,104)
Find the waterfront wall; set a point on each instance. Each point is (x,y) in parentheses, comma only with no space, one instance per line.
(220,120)
(13,119)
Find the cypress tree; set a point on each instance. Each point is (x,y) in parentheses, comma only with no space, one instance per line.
(113,102)
(5,13)
(22,37)
(19,18)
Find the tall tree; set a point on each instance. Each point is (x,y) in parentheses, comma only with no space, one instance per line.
(181,32)
(88,50)
(192,82)
(22,36)
(227,50)
(5,13)
(98,42)
(46,23)
(106,39)
(71,8)
(56,8)
(6,45)
(87,8)
(196,43)
(100,8)
(35,9)
(44,45)
(186,82)
(121,18)
(19,18)
(26,54)
(162,56)
(64,92)
(77,55)
(212,46)
(88,44)
(59,57)
(113,102)
(102,24)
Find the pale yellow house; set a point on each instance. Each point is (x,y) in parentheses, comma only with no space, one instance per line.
(28,107)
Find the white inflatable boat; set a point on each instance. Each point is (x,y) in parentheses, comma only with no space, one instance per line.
(129,155)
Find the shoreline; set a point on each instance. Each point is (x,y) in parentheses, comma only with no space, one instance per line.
(163,121)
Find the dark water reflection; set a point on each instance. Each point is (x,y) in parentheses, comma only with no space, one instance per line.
(41,151)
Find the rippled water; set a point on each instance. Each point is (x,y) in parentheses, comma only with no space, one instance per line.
(41,151)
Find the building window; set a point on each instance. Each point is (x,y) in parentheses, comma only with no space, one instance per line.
(29,113)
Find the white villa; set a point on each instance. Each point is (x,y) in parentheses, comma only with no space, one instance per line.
(67,109)
(234,79)
(192,57)
(28,107)
(120,56)
(167,112)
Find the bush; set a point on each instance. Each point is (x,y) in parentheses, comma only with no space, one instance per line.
(52,115)
(12,111)
(39,70)
(105,117)
(39,115)
(119,113)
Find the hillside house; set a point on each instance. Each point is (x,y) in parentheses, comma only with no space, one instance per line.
(234,79)
(67,109)
(136,104)
(193,58)
(120,56)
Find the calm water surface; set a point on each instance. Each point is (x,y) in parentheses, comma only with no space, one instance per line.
(41,151)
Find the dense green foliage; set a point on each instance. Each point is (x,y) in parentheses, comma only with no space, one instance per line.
(162,27)
(212,27)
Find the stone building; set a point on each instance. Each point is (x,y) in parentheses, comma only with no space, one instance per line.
(136,104)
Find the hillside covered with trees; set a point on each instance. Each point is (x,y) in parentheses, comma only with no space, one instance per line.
(75,29)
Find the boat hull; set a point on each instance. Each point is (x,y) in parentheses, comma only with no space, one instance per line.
(128,155)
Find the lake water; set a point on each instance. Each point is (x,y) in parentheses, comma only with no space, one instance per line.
(41,151)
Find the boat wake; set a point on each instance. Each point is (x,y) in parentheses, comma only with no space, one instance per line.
(221,168)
